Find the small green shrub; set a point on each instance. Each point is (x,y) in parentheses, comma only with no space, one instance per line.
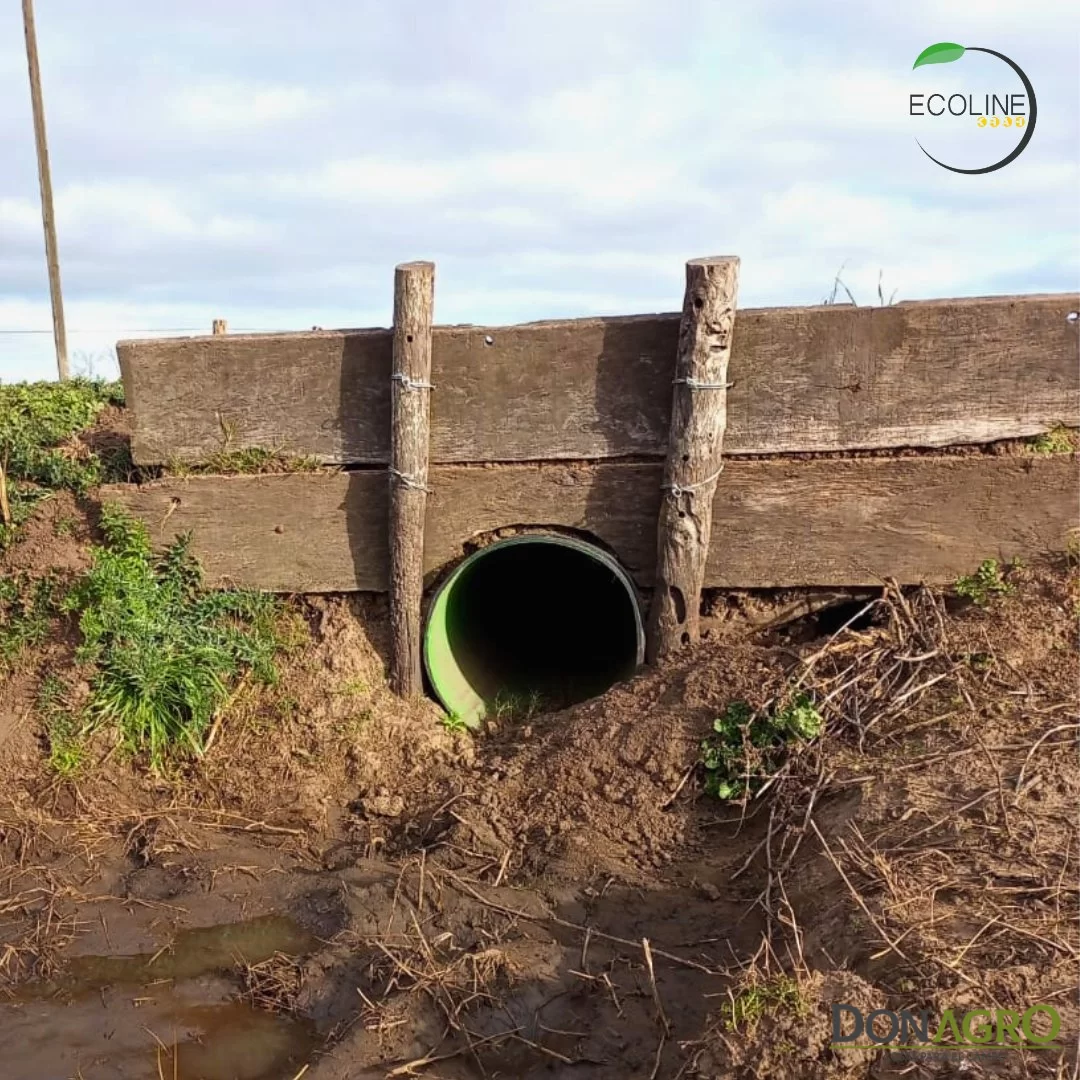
(986,583)
(746,747)
(166,653)
(37,421)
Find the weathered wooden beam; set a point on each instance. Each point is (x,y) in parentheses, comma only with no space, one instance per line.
(414,301)
(694,456)
(775,523)
(928,373)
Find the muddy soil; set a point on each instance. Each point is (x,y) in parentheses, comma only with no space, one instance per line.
(342,888)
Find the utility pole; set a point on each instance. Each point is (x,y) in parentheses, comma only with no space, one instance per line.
(48,219)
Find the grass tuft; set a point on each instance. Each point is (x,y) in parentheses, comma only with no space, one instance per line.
(746,747)
(62,728)
(508,705)
(26,609)
(167,653)
(744,1009)
(247,461)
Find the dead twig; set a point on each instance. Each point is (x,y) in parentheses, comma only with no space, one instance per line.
(566,924)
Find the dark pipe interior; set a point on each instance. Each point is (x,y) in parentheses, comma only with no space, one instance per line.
(539,625)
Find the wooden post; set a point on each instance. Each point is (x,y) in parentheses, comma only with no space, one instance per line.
(220,327)
(414,301)
(48,219)
(694,455)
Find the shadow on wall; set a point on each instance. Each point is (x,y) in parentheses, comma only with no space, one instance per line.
(632,407)
(361,427)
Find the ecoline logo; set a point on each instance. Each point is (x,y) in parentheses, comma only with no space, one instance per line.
(1007,111)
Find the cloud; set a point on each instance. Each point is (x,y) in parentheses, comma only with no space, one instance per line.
(270,162)
(222,108)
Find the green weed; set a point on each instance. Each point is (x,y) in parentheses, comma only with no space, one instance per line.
(65,734)
(744,1009)
(166,652)
(1058,440)
(37,421)
(26,610)
(454,722)
(746,747)
(986,583)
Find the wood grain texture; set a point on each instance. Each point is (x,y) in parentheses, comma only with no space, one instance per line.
(414,303)
(695,448)
(775,523)
(929,373)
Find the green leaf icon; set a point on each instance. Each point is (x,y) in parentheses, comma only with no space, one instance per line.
(944,52)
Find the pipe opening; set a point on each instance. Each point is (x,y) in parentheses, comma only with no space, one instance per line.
(533,622)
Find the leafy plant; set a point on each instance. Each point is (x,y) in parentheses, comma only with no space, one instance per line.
(986,583)
(454,722)
(746,747)
(37,421)
(1058,440)
(166,652)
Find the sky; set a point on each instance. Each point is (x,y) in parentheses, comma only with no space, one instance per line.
(270,162)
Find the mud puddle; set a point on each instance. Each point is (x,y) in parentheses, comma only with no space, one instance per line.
(172,1013)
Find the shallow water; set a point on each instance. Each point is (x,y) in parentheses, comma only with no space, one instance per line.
(169,1015)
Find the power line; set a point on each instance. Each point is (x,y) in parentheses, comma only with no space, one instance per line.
(158,330)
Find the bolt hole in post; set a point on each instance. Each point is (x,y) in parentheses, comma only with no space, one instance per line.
(532,623)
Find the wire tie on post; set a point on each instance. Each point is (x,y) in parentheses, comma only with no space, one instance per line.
(681,489)
(693,384)
(410,384)
(409,481)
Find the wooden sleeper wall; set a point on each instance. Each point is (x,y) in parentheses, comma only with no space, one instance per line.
(923,374)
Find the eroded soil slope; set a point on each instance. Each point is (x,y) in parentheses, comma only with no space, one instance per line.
(342,884)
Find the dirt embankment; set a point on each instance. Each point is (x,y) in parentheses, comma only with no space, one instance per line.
(341,884)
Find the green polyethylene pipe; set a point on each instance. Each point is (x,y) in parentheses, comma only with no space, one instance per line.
(449,682)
